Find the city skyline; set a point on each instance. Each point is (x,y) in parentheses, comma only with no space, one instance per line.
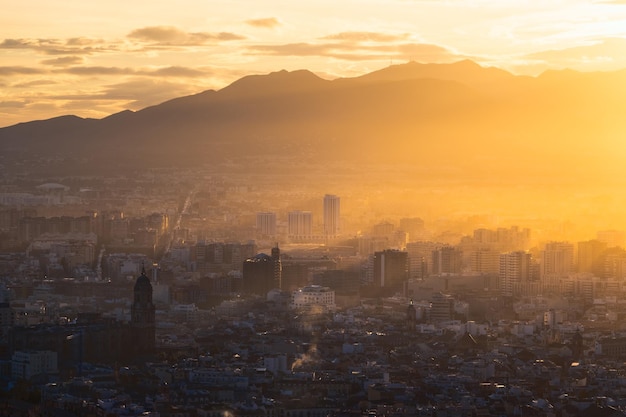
(110,57)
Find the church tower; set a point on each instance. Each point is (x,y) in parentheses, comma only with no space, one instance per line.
(142,316)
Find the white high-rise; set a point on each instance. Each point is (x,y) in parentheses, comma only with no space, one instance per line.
(331,215)
(266,224)
(299,224)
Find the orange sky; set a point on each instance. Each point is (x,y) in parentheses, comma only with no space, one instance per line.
(93,59)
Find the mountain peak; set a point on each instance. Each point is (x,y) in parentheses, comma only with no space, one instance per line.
(282,81)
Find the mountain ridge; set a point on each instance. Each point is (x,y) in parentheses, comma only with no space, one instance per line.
(460,113)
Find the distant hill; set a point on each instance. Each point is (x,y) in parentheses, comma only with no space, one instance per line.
(481,120)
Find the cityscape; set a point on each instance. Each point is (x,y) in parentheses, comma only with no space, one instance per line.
(175,298)
(313,209)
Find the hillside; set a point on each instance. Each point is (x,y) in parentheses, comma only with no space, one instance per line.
(478,120)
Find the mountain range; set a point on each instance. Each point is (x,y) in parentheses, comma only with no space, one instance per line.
(478,121)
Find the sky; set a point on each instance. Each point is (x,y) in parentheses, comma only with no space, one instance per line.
(93,59)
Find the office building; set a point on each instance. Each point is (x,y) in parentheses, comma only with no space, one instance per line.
(391,269)
(331,215)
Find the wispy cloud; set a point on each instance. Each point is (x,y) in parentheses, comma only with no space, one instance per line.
(34,83)
(63,61)
(268,22)
(17,70)
(367,37)
(603,51)
(172,36)
(52,46)
(351,52)
(171,71)
(13,104)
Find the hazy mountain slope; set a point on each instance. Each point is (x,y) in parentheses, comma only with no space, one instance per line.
(478,120)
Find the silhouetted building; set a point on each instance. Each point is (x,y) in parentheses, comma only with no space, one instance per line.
(259,274)
(142,316)
(391,269)
(447,260)
(278,268)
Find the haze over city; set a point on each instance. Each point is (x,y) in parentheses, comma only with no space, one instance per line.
(321,209)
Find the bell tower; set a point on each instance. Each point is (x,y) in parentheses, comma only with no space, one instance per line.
(142,316)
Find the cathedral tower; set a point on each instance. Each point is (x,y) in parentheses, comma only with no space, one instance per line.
(142,316)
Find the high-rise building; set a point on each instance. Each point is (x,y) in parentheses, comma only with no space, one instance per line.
(589,254)
(278,267)
(420,258)
(447,260)
(266,224)
(300,224)
(331,215)
(557,260)
(391,269)
(516,269)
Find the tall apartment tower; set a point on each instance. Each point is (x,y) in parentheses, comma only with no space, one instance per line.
(300,224)
(557,260)
(516,269)
(266,224)
(331,215)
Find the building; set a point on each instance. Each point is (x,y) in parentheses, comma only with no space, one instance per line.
(300,225)
(557,261)
(447,260)
(589,255)
(420,258)
(484,261)
(26,364)
(278,267)
(391,269)
(612,238)
(266,224)
(142,316)
(441,307)
(516,271)
(259,274)
(331,215)
(313,296)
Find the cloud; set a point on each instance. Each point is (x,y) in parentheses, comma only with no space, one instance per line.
(63,61)
(98,70)
(268,22)
(13,104)
(366,37)
(51,46)
(172,71)
(177,71)
(34,83)
(351,52)
(16,70)
(171,36)
(601,51)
